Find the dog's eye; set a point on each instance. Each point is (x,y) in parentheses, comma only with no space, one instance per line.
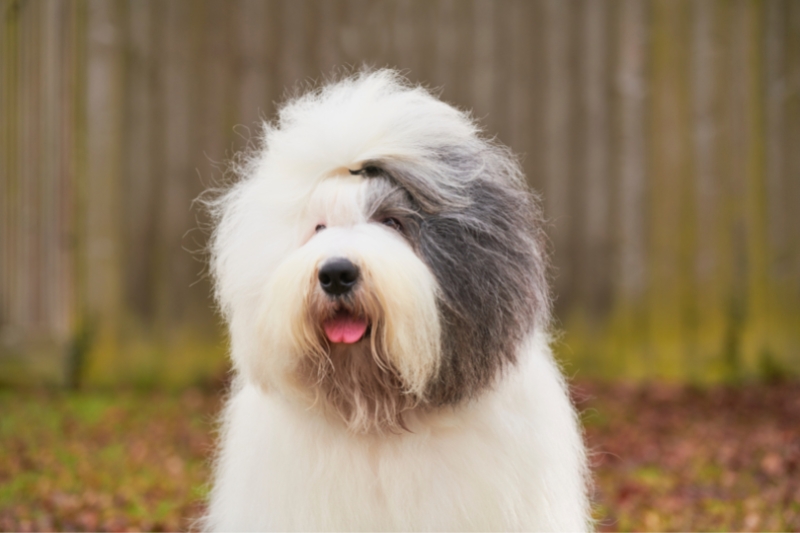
(392,223)
(371,171)
(319,228)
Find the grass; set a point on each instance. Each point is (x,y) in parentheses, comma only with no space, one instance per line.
(664,457)
(103,461)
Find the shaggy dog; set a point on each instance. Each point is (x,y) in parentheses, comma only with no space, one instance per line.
(381,268)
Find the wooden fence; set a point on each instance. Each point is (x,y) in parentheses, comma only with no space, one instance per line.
(663,135)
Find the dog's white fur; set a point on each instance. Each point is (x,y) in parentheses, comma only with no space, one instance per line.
(510,458)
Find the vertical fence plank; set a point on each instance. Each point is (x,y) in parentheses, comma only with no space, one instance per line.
(8,169)
(775,83)
(446,50)
(347,26)
(367,33)
(453,39)
(252,57)
(5,181)
(534,52)
(63,246)
(328,44)
(596,167)
(406,54)
(73,133)
(483,62)
(518,94)
(140,187)
(49,171)
(670,302)
(793,155)
(557,134)
(631,274)
(179,101)
(101,204)
(733,150)
(778,189)
(27,131)
(703,59)
(712,249)
(424,19)
(216,100)
(294,49)
(760,301)
(76,364)
(503,75)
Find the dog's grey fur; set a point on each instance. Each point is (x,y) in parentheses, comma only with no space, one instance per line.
(484,243)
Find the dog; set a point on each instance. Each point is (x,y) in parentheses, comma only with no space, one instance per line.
(382,270)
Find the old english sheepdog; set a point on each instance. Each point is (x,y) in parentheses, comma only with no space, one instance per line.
(381,267)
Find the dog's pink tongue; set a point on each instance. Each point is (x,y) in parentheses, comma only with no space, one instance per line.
(345,328)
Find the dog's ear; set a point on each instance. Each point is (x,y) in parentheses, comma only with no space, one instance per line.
(479,231)
(488,262)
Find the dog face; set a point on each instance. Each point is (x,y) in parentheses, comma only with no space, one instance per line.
(377,255)
(353,307)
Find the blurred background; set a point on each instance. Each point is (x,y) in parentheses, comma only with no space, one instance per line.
(664,137)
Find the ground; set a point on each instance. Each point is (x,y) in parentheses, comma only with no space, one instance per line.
(669,458)
(665,457)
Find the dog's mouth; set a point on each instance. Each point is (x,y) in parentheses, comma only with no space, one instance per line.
(345,327)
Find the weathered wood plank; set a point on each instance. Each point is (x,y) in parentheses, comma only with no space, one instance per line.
(595,182)
(670,245)
(557,136)
(101,192)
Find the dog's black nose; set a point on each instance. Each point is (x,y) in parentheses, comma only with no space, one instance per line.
(338,276)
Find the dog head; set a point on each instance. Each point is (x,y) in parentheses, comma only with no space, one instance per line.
(377,255)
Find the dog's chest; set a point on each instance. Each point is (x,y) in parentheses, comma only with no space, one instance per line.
(301,473)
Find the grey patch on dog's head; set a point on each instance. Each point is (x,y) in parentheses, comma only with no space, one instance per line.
(469,215)
(386,199)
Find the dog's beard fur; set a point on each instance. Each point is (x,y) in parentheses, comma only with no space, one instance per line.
(357,381)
